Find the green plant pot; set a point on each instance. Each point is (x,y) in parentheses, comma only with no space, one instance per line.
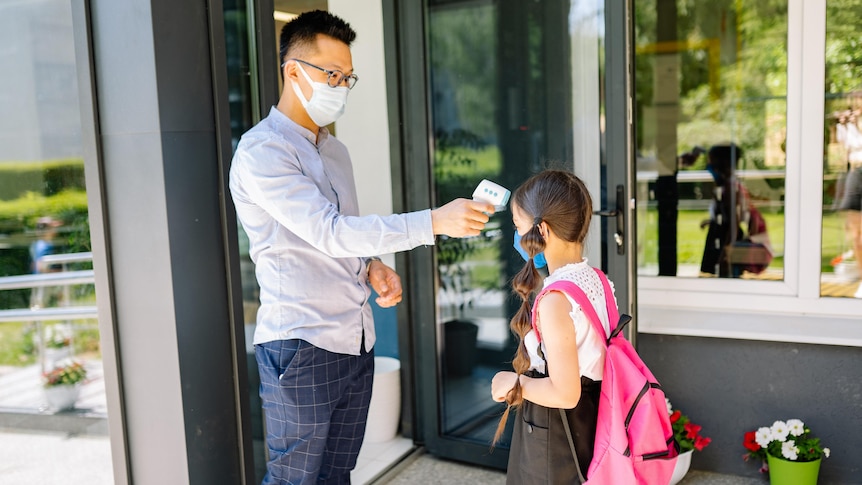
(784,472)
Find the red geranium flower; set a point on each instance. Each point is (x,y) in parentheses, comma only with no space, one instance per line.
(692,429)
(749,442)
(686,433)
(700,443)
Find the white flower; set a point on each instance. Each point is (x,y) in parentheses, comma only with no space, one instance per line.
(779,430)
(826,452)
(763,436)
(796,427)
(669,406)
(789,450)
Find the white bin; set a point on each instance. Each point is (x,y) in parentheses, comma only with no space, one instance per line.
(384,413)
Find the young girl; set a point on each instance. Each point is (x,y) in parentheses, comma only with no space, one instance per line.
(552,212)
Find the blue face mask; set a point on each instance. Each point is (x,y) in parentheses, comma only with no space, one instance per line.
(538,261)
(715,175)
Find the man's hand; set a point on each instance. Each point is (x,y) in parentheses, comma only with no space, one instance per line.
(461,218)
(386,283)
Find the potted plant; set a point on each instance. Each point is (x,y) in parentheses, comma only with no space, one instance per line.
(63,384)
(58,346)
(687,436)
(845,266)
(788,452)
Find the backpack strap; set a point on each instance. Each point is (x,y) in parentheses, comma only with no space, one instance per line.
(568,429)
(586,305)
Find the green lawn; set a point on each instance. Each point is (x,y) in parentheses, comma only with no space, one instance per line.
(16,344)
(690,238)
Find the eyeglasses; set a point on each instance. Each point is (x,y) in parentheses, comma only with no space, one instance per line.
(335,78)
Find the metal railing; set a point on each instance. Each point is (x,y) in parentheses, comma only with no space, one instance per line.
(65,279)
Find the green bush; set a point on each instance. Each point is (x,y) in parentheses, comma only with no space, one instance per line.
(46,177)
(17,230)
(17,344)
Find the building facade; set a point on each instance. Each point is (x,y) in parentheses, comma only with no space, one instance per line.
(633,96)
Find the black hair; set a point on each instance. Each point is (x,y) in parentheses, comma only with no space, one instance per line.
(724,158)
(301,33)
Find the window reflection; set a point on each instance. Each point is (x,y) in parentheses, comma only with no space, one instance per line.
(49,336)
(471,310)
(711,90)
(841,264)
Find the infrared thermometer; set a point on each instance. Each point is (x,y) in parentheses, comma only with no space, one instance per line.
(492,193)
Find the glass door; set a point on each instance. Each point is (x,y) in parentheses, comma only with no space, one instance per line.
(513,87)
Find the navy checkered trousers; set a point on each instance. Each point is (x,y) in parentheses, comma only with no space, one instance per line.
(316,405)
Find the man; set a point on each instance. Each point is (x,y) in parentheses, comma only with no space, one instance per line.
(292,184)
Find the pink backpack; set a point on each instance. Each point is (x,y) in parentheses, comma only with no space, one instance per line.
(634,439)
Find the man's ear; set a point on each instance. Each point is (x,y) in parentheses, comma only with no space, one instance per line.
(289,70)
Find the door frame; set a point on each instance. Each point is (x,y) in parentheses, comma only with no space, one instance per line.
(619,157)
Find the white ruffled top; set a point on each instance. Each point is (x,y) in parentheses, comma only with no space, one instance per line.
(591,347)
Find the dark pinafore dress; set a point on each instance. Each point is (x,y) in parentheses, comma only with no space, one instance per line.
(540,452)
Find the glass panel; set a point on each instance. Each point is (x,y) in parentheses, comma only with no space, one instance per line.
(505,88)
(241,98)
(711,87)
(243,94)
(52,392)
(841,256)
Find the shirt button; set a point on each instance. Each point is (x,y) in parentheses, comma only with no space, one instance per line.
(529,428)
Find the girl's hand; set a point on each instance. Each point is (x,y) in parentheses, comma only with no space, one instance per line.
(502,383)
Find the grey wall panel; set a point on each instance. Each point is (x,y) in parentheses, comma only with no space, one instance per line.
(154,79)
(184,69)
(143,296)
(733,386)
(200,305)
(124,66)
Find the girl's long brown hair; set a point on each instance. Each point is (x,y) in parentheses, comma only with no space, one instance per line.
(562,201)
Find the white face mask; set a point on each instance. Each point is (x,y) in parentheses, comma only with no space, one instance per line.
(326,105)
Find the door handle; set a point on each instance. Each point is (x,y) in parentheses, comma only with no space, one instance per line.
(619,214)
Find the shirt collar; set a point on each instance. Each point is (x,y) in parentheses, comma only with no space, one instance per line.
(284,122)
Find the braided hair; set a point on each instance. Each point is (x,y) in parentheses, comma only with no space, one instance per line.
(561,200)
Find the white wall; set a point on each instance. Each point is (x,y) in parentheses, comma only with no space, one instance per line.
(364,128)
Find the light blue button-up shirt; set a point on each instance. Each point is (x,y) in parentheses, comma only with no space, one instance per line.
(296,199)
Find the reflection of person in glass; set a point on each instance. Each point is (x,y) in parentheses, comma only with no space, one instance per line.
(315,258)
(46,232)
(552,212)
(851,206)
(736,238)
